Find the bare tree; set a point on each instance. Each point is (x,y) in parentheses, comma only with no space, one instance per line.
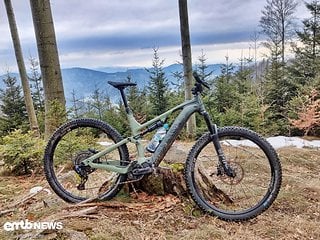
(49,63)
(22,69)
(277,24)
(254,44)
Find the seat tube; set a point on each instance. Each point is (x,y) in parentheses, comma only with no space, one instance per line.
(124,99)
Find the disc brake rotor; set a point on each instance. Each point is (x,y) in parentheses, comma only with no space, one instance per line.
(233,180)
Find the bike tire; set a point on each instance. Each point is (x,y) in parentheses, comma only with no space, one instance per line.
(215,193)
(69,136)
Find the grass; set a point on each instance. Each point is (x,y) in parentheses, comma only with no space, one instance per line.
(294,215)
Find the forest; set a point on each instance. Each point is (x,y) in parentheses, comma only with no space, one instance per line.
(276,96)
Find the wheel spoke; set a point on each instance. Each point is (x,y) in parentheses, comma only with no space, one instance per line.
(250,157)
(67,149)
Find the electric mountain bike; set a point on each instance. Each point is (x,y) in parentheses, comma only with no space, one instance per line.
(230,172)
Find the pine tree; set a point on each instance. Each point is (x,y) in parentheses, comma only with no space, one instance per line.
(135,99)
(177,96)
(50,65)
(202,67)
(35,80)
(224,89)
(14,115)
(158,87)
(306,64)
(99,102)
(76,106)
(22,69)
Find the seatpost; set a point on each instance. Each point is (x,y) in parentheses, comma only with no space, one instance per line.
(124,99)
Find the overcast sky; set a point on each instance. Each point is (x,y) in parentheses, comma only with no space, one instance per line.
(99,33)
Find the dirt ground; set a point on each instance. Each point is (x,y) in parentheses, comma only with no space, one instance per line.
(294,215)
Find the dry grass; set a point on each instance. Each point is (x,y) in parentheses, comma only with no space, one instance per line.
(294,215)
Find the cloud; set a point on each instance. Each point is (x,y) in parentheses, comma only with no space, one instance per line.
(103,28)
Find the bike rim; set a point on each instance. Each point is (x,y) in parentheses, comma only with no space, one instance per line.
(234,196)
(69,150)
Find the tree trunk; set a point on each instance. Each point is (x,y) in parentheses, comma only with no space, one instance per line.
(49,63)
(22,69)
(187,60)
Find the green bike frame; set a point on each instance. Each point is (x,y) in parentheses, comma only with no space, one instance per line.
(187,109)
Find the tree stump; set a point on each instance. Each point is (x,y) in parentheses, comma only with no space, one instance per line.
(168,178)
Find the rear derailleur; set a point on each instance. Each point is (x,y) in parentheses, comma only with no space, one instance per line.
(82,170)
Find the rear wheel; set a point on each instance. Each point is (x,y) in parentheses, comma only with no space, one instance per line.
(69,146)
(250,192)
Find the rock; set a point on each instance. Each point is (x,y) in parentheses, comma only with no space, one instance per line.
(176,154)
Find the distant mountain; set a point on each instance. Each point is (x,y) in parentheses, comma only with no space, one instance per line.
(84,81)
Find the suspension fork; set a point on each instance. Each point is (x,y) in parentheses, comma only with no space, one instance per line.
(215,140)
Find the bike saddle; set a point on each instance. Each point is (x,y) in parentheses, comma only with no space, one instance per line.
(121,85)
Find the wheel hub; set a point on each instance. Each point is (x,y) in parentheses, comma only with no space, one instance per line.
(239,174)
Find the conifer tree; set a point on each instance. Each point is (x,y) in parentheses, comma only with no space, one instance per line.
(35,80)
(50,65)
(99,102)
(12,106)
(224,89)
(22,69)
(138,101)
(306,64)
(202,67)
(158,87)
(76,106)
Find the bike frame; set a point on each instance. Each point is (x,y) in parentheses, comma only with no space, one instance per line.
(187,109)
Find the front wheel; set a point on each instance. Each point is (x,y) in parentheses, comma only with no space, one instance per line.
(250,192)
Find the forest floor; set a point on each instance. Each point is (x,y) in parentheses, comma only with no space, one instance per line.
(294,215)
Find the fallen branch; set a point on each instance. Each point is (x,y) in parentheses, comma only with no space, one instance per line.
(4,212)
(96,204)
(89,200)
(12,207)
(81,213)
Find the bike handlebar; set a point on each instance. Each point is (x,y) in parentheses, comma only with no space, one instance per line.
(197,78)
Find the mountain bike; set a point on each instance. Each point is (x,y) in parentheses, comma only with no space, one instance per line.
(230,172)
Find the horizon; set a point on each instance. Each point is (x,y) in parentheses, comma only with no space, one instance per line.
(122,34)
(116,69)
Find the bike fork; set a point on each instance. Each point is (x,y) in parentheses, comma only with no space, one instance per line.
(215,140)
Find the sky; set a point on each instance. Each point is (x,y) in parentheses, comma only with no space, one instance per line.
(119,33)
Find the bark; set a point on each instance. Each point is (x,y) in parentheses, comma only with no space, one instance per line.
(22,69)
(49,63)
(187,60)
(166,180)
(169,179)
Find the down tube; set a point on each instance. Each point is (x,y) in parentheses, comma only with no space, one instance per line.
(173,132)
